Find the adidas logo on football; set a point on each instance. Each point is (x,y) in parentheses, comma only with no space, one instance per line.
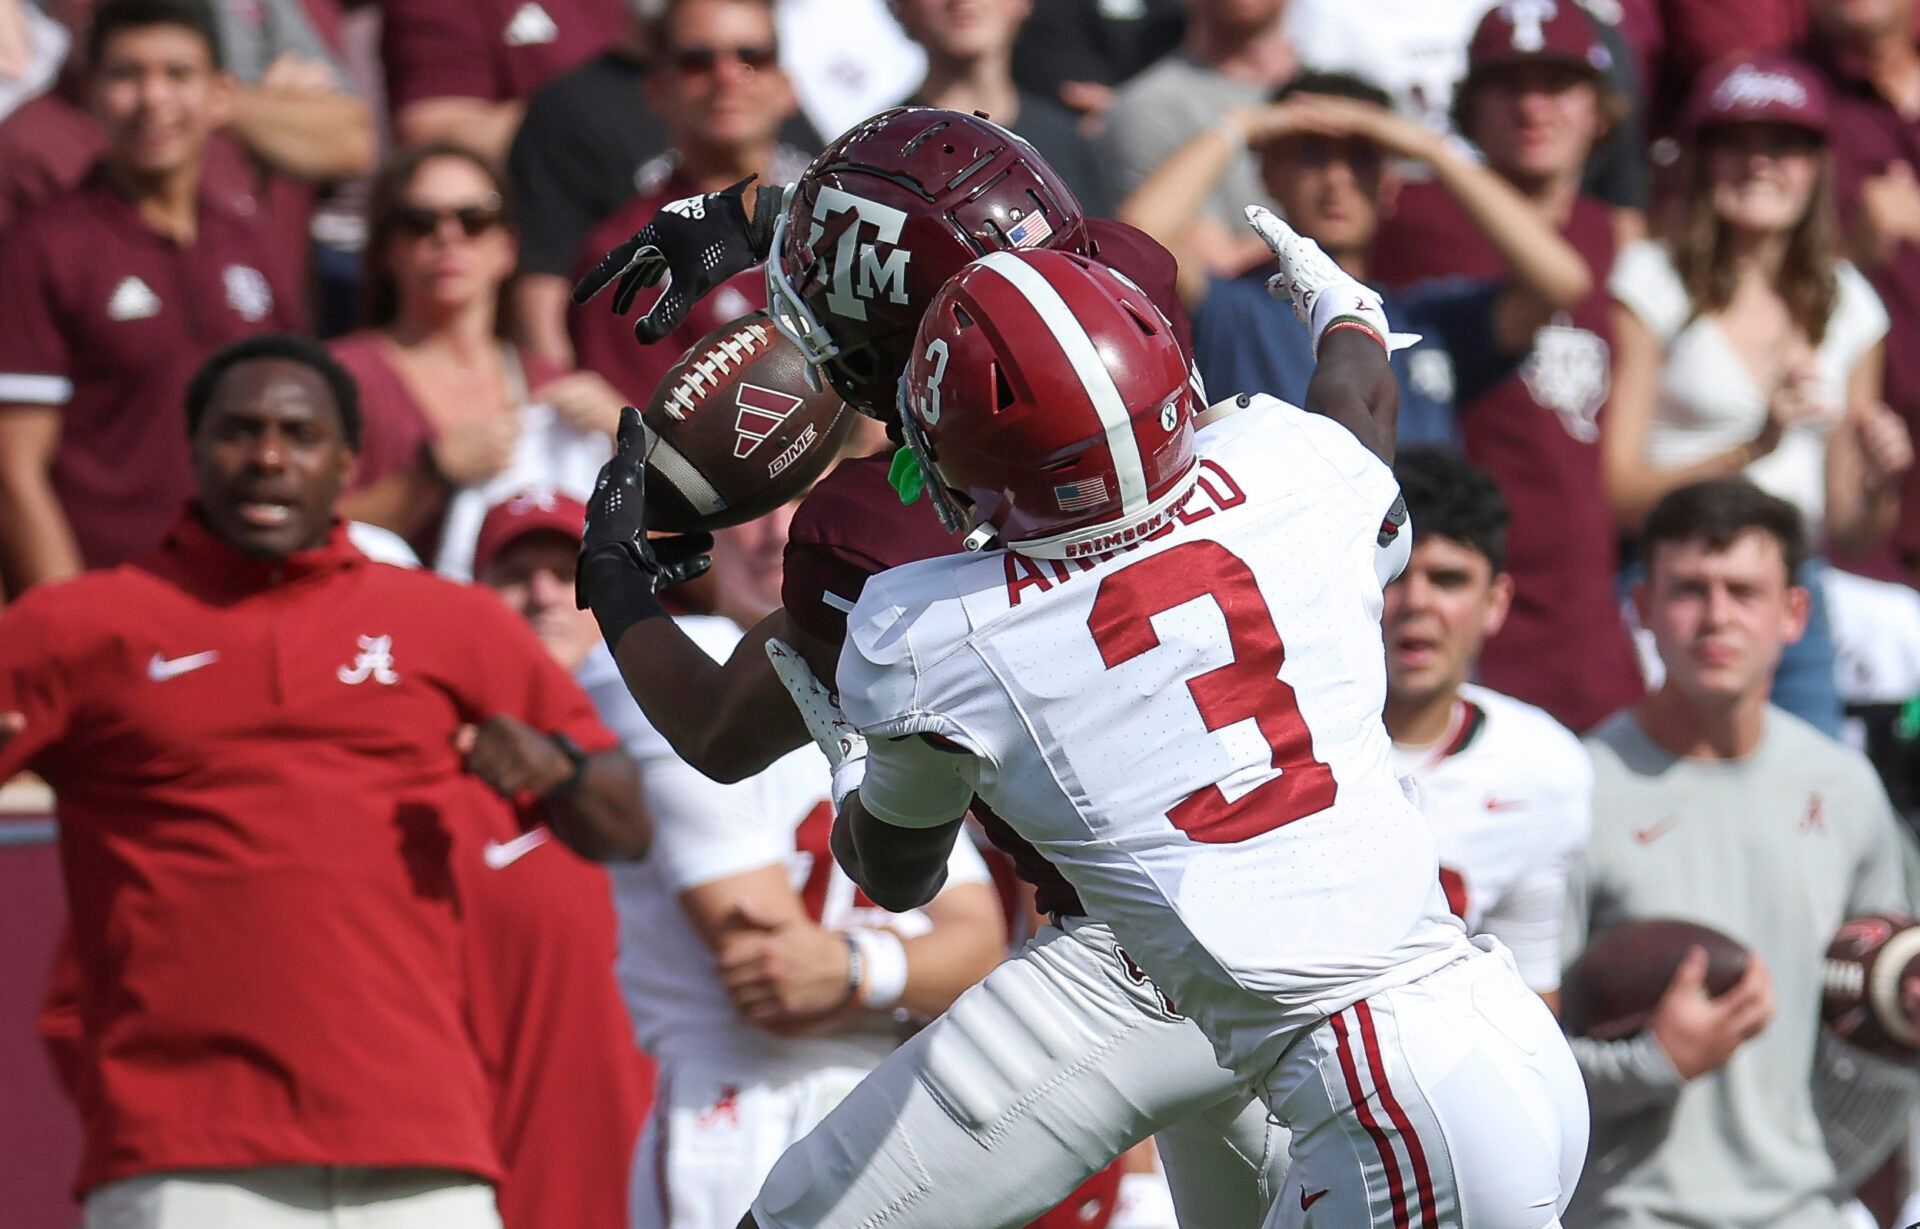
(530,26)
(133,300)
(762,410)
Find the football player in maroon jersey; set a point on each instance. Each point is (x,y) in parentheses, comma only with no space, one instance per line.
(855,251)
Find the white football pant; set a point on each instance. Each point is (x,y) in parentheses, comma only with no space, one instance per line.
(1450,1101)
(294,1197)
(717,1127)
(1058,1061)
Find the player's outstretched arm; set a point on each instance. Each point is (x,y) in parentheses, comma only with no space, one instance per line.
(1351,384)
(729,720)
(695,243)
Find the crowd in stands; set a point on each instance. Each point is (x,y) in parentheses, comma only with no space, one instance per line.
(1646,244)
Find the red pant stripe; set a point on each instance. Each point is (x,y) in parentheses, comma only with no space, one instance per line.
(1395,1187)
(1422,1176)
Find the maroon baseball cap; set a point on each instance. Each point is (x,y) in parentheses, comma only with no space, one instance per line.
(1517,32)
(1756,87)
(530,511)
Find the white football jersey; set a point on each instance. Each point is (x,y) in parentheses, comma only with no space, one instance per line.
(1509,792)
(1190,729)
(704,831)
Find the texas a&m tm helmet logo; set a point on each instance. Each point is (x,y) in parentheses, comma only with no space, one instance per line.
(762,410)
(858,272)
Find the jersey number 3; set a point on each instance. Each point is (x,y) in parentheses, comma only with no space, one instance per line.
(1249,686)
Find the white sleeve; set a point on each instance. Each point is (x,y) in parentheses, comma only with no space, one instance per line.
(1528,917)
(702,830)
(912,784)
(1531,915)
(1645,283)
(1859,317)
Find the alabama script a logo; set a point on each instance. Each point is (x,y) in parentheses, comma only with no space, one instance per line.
(859,271)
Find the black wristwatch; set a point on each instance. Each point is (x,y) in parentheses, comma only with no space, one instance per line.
(576,757)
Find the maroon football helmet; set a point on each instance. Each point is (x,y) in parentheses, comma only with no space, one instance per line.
(884,217)
(1049,403)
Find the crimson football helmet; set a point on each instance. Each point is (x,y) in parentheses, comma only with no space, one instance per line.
(1050,405)
(880,221)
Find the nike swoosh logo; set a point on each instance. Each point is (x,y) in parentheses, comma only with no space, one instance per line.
(499,855)
(1505,804)
(1648,835)
(1307,1201)
(160,669)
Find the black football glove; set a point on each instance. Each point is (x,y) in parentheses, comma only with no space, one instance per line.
(701,240)
(621,569)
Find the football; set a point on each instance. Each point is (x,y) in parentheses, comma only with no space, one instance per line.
(1864,981)
(1611,991)
(740,428)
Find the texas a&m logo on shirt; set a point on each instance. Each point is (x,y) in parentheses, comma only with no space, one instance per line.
(859,271)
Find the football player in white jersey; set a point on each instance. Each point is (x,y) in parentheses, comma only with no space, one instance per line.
(760,979)
(1507,788)
(1162,666)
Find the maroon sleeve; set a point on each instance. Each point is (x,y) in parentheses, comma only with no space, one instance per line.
(36,367)
(391,427)
(850,526)
(35,680)
(1148,265)
(436,49)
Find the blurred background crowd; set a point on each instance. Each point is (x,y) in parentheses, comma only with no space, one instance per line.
(1647,243)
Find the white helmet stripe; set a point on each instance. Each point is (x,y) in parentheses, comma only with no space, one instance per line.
(1094,377)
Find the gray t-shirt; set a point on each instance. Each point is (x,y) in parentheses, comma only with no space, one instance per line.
(1775,850)
(1162,109)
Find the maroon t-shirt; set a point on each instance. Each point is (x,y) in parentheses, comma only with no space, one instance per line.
(493,50)
(853,525)
(1867,135)
(107,320)
(604,342)
(393,425)
(47,145)
(1564,646)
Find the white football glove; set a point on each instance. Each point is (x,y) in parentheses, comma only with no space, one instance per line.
(1321,291)
(844,746)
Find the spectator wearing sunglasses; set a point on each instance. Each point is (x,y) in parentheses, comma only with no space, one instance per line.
(718,84)
(573,162)
(463,71)
(457,416)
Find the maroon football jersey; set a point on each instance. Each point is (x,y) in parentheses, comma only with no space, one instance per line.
(1564,646)
(853,525)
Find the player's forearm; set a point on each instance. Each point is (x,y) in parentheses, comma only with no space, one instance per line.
(969,937)
(899,869)
(315,137)
(728,720)
(1353,385)
(36,542)
(1545,266)
(603,817)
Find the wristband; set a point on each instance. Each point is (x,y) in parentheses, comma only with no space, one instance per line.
(576,757)
(1348,322)
(848,777)
(618,593)
(883,967)
(856,970)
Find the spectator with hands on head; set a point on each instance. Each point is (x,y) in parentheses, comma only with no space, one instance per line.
(1325,150)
